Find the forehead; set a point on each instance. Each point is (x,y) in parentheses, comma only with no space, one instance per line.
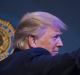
(53,31)
(55,28)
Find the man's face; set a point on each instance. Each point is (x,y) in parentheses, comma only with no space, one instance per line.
(51,40)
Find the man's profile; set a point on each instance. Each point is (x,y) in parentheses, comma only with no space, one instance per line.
(37,42)
(40,29)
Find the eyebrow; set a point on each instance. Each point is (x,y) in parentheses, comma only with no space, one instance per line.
(56,35)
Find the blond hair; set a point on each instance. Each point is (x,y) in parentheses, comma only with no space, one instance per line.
(35,24)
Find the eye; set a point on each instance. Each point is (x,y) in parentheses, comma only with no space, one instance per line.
(56,36)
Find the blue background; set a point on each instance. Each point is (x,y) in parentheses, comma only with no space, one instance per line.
(66,10)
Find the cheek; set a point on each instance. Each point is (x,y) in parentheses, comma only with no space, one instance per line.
(44,43)
(47,44)
(53,43)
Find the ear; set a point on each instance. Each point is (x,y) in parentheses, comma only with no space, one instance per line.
(32,42)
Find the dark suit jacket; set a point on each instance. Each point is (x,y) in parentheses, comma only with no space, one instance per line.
(38,61)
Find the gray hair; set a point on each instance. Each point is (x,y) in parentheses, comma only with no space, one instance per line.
(34,24)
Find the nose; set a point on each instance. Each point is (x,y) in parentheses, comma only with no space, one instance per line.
(59,42)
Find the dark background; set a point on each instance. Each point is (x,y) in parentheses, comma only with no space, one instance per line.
(66,10)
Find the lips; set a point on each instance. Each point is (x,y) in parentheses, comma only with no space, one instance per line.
(53,53)
(55,49)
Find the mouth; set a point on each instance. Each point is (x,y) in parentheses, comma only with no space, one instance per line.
(54,53)
(55,50)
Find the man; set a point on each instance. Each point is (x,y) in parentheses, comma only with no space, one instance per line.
(37,43)
(39,29)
